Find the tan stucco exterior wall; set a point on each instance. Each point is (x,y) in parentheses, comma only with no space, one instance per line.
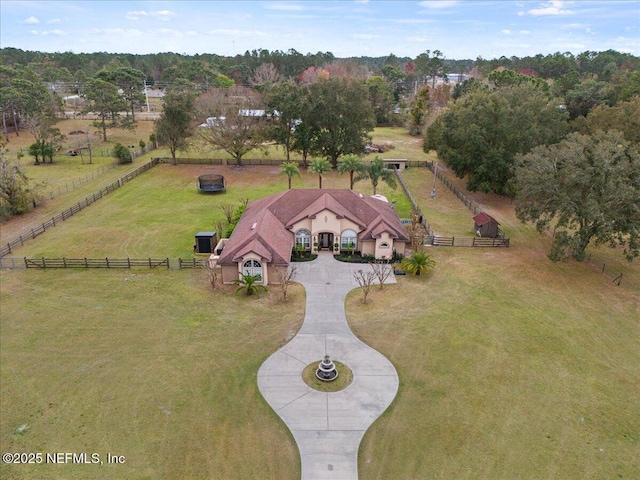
(325,221)
(384,252)
(229,273)
(367,248)
(273,273)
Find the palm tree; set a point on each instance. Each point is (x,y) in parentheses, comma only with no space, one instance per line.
(248,283)
(375,172)
(351,164)
(320,166)
(417,263)
(289,169)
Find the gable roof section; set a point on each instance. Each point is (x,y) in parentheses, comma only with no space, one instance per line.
(268,239)
(483,218)
(263,227)
(328,201)
(388,222)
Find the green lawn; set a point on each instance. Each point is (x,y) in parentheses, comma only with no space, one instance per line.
(147,364)
(510,366)
(445,213)
(506,371)
(158,213)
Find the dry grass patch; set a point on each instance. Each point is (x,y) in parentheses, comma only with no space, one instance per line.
(510,367)
(342,381)
(150,365)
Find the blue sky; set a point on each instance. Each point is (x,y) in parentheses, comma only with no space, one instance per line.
(459,28)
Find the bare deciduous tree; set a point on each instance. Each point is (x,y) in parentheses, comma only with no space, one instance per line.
(285,278)
(382,272)
(417,232)
(235,123)
(227,211)
(266,74)
(212,273)
(365,280)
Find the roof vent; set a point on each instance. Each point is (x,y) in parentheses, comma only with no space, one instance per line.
(253,227)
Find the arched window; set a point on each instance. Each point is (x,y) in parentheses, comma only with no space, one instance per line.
(303,237)
(253,268)
(349,239)
(384,245)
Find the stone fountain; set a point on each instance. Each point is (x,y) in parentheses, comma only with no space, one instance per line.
(326,370)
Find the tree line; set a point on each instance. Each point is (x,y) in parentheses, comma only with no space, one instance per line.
(489,128)
(568,152)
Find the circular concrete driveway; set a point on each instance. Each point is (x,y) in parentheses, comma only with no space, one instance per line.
(328,427)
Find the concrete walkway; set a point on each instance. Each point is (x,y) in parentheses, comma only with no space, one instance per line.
(328,427)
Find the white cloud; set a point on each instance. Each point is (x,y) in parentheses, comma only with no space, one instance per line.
(506,32)
(362,1)
(54,21)
(408,21)
(135,15)
(32,21)
(417,39)
(553,7)
(290,7)
(56,32)
(169,32)
(524,32)
(236,33)
(162,15)
(437,3)
(129,32)
(364,36)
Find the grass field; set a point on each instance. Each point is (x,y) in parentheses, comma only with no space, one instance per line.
(146,364)
(159,213)
(510,366)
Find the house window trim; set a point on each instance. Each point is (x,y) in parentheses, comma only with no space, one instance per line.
(253,269)
(300,239)
(346,238)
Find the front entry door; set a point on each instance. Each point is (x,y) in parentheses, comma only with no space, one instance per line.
(326,240)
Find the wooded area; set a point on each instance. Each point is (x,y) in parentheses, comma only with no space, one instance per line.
(482,117)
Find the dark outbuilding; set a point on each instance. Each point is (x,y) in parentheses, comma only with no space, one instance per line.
(486,225)
(205,242)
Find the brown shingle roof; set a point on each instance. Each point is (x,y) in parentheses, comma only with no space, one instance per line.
(272,215)
(483,218)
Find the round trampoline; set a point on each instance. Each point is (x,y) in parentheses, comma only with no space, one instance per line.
(211,183)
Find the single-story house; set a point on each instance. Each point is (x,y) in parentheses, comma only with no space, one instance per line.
(485,225)
(333,220)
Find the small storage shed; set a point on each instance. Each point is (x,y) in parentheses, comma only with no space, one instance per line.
(397,163)
(205,242)
(485,225)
